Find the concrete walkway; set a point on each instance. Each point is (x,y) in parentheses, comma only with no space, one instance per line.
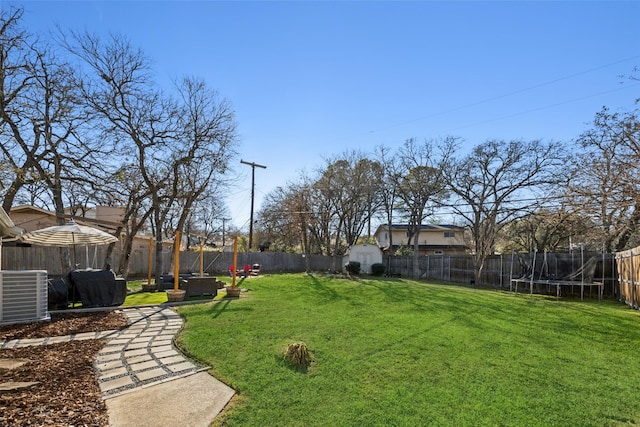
(144,379)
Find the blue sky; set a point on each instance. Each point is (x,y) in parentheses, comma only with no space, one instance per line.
(309,80)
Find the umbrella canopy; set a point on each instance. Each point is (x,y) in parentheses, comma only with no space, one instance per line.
(7,227)
(69,234)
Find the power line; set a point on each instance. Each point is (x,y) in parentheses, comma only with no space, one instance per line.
(541,108)
(494,98)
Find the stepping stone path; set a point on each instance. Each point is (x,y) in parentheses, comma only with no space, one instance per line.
(139,355)
(143,354)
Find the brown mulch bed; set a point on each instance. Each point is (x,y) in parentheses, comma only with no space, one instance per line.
(65,324)
(67,391)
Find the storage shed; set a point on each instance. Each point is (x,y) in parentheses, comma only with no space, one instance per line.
(365,254)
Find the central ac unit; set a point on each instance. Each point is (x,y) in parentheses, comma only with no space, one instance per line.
(23,296)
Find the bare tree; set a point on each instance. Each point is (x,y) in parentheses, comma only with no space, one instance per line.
(285,218)
(179,147)
(421,183)
(41,120)
(209,216)
(550,228)
(135,116)
(45,143)
(389,182)
(15,81)
(498,182)
(606,176)
(205,145)
(127,190)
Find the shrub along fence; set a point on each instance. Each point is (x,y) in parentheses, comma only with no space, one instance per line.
(497,273)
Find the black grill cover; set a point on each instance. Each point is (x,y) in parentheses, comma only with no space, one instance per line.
(57,294)
(98,288)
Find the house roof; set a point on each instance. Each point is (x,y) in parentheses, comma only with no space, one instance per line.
(431,227)
(433,247)
(108,225)
(427,227)
(22,208)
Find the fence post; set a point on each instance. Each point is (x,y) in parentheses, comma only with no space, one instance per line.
(632,283)
(603,266)
(614,273)
(511,272)
(582,273)
(533,269)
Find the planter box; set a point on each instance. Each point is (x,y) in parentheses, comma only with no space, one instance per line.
(233,292)
(175,296)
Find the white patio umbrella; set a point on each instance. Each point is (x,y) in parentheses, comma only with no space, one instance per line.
(69,234)
(7,230)
(7,227)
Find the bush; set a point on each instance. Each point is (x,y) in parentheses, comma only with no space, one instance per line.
(377,269)
(404,250)
(353,267)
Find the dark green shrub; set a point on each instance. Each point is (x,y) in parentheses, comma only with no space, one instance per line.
(377,269)
(404,250)
(353,267)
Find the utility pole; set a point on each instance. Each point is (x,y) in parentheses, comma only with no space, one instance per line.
(223,220)
(253,188)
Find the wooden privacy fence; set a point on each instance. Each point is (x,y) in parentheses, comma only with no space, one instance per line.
(270,262)
(50,258)
(214,263)
(628,263)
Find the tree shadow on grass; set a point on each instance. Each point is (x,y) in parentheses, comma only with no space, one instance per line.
(322,290)
(224,305)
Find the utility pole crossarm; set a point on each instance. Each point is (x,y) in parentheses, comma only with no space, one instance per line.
(253,165)
(253,186)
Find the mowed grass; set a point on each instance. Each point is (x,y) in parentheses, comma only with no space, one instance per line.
(137,297)
(395,352)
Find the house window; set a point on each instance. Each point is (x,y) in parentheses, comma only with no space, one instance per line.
(438,252)
(449,234)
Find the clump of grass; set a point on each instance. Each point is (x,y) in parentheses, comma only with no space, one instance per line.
(298,355)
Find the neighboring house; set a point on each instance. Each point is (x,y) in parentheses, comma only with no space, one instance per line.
(366,255)
(31,218)
(433,239)
(113,214)
(106,218)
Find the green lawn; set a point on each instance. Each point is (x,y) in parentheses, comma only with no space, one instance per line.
(137,297)
(393,352)
(160,297)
